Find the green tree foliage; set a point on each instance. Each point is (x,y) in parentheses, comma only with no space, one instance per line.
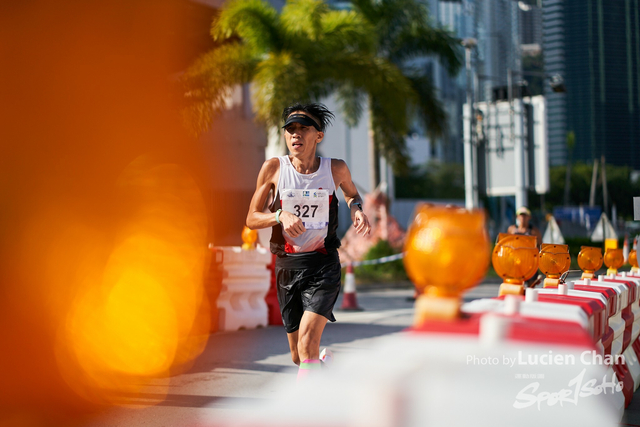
(621,189)
(389,271)
(405,32)
(309,51)
(432,181)
(304,53)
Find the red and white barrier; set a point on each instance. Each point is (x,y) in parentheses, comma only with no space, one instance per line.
(621,320)
(632,353)
(241,302)
(616,321)
(631,317)
(275,317)
(565,305)
(564,346)
(596,305)
(488,369)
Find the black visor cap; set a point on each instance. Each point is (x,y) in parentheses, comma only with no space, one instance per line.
(303,120)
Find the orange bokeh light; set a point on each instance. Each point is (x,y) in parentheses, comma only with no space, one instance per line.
(446,249)
(590,259)
(135,317)
(515,257)
(249,238)
(614,258)
(104,248)
(554,259)
(633,258)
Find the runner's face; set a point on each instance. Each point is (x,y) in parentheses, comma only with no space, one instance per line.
(302,139)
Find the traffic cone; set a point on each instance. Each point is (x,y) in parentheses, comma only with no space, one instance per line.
(349,301)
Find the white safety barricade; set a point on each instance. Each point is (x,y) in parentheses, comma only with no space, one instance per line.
(552,311)
(615,320)
(603,321)
(540,310)
(417,379)
(241,301)
(635,304)
(633,363)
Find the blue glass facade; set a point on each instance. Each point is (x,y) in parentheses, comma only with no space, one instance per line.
(595,45)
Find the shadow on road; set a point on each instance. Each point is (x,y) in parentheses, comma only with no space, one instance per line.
(183,400)
(245,348)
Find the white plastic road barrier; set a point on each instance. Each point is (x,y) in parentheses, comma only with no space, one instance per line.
(618,324)
(633,364)
(241,301)
(615,320)
(417,379)
(631,357)
(540,310)
(635,304)
(602,320)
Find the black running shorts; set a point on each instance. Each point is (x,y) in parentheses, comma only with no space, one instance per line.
(307,282)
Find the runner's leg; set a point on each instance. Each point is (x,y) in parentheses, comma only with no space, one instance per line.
(293,347)
(310,332)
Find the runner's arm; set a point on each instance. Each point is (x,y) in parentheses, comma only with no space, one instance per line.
(256,218)
(342,178)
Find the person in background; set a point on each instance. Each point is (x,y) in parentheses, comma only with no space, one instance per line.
(523,225)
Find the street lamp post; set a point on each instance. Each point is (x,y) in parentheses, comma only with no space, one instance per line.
(470,170)
(518,144)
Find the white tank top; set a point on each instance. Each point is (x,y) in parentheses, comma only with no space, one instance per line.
(307,196)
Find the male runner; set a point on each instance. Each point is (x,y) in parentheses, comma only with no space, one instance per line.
(304,220)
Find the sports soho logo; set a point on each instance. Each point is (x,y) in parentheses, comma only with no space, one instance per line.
(529,395)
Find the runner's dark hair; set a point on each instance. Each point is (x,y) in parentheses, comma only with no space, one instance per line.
(319,112)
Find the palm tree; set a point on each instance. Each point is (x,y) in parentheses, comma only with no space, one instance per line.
(405,33)
(304,53)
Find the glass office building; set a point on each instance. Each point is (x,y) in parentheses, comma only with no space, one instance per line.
(595,46)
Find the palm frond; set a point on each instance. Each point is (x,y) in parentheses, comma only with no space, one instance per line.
(303,18)
(369,9)
(404,31)
(280,79)
(352,102)
(428,107)
(208,83)
(388,83)
(425,40)
(256,22)
(347,30)
(309,52)
(390,143)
